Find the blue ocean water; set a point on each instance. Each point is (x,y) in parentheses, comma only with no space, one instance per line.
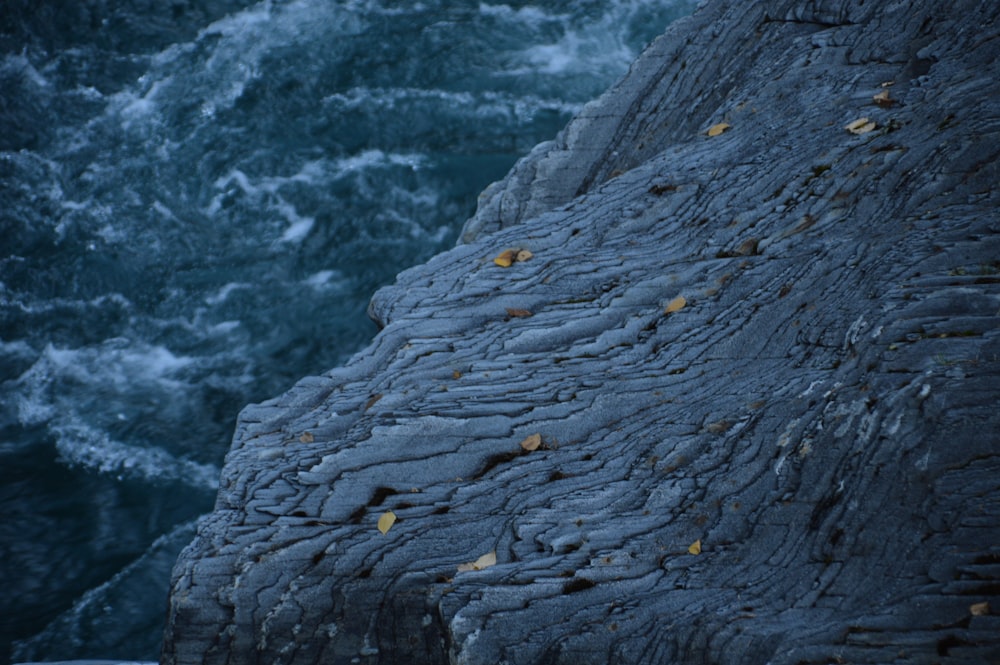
(197,199)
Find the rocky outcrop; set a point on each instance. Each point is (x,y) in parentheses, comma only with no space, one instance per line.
(757,337)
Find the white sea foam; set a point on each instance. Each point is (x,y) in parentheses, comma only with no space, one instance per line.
(237,24)
(598,45)
(388,98)
(111,234)
(555,58)
(31,410)
(17,348)
(41,307)
(483,104)
(299,226)
(374,159)
(135,108)
(49,393)
(239,178)
(166,212)
(270,194)
(576,52)
(241,33)
(528,14)
(324,279)
(243,39)
(21,65)
(224,327)
(81,445)
(313,172)
(223,293)
(139,107)
(76,206)
(47,388)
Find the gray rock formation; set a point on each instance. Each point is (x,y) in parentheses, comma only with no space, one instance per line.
(820,413)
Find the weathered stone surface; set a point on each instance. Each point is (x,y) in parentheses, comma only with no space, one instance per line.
(822,414)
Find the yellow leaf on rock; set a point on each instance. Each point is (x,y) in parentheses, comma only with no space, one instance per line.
(505,258)
(860,126)
(307,437)
(979,609)
(485,561)
(677,303)
(695,547)
(532,442)
(719,427)
(717,129)
(882,98)
(508,257)
(386,521)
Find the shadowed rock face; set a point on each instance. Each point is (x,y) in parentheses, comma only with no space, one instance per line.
(821,414)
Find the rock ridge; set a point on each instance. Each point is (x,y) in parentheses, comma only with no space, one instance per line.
(763,366)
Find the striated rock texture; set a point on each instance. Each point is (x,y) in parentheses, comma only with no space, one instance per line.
(822,415)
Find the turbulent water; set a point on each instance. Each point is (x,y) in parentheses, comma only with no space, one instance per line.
(197,199)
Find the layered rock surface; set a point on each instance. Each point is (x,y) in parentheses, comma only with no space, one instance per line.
(819,414)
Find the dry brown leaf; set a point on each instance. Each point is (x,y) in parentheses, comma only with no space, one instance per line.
(518,313)
(676,304)
(718,427)
(882,99)
(748,247)
(659,190)
(307,437)
(505,258)
(717,129)
(485,561)
(860,126)
(695,547)
(979,609)
(386,521)
(523,255)
(456,374)
(532,442)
